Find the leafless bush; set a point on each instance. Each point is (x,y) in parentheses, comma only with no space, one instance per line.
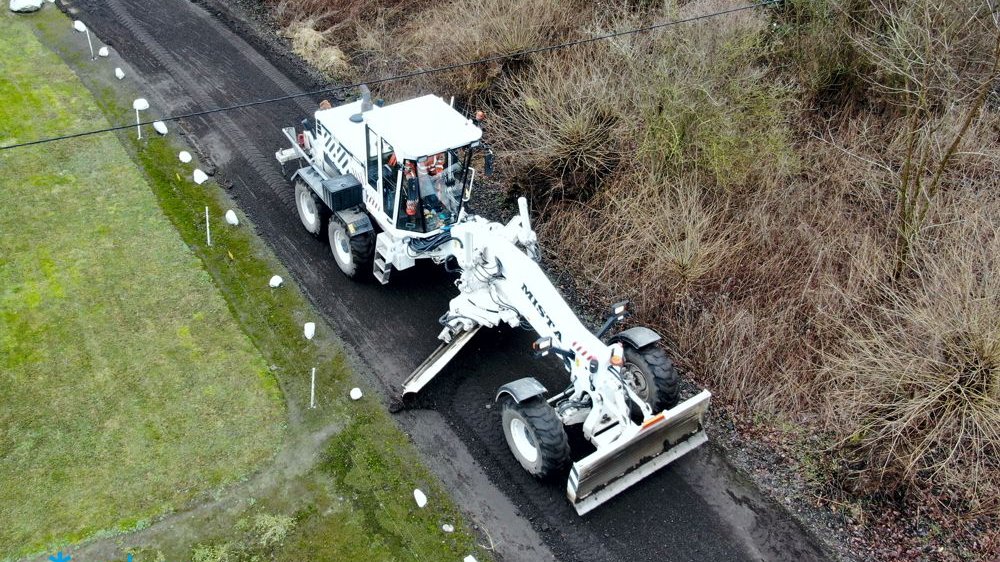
(467,30)
(315,47)
(338,16)
(565,124)
(917,381)
(932,53)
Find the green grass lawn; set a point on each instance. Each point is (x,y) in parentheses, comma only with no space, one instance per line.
(135,416)
(126,386)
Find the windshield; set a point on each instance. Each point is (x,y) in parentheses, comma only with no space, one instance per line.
(433,188)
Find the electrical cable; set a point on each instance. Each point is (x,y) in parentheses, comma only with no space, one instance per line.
(414,74)
(422,245)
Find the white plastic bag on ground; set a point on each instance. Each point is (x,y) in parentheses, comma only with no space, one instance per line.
(25,6)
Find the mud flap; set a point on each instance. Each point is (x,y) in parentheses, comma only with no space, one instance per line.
(663,439)
(431,366)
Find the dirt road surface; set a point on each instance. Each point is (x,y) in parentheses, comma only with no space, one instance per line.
(193,56)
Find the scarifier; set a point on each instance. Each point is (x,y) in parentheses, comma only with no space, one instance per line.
(388,186)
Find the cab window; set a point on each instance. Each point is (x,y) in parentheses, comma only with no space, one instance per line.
(433,187)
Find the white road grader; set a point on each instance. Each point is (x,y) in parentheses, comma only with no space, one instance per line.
(388,186)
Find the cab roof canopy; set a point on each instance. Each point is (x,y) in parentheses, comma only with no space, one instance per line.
(422,126)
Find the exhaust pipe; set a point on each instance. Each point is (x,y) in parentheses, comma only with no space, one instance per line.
(366,104)
(366,98)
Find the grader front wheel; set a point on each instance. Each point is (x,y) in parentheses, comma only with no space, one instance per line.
(652,376)
(536,436)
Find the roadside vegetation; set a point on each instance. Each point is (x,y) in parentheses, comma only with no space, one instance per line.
(804,198)
(331,483)
(127,388)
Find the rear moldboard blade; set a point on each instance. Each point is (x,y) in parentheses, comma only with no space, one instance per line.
(604,474)
(436,361)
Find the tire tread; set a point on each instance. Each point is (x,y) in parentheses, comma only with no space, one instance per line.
(665,378)
(551,439)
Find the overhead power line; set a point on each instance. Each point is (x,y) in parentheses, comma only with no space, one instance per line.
(414,74)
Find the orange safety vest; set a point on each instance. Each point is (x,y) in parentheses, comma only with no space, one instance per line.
(435,164)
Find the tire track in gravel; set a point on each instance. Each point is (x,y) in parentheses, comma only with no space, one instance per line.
(192,61)
(251,154)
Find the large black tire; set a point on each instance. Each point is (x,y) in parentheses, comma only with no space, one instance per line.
(536,437)
(313,212)
(353,254)
(652,376)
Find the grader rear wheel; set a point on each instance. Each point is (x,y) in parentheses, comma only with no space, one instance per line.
(353,254)
(312,211)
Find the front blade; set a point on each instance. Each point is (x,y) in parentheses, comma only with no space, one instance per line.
(663,439)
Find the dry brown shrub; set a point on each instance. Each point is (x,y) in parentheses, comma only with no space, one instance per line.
(339,16)
(349,39)
(467,30)
(935,49)
(917,379)
(315,47)
(565,124)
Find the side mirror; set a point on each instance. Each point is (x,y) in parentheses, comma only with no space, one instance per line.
(542,346)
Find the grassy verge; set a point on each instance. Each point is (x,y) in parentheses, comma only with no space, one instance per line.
(342,487)
(127,387)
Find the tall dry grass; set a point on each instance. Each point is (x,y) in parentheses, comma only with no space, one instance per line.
(317,47)
(916,382)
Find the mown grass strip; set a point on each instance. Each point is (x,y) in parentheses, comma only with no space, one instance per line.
(126,389)
(355,502)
